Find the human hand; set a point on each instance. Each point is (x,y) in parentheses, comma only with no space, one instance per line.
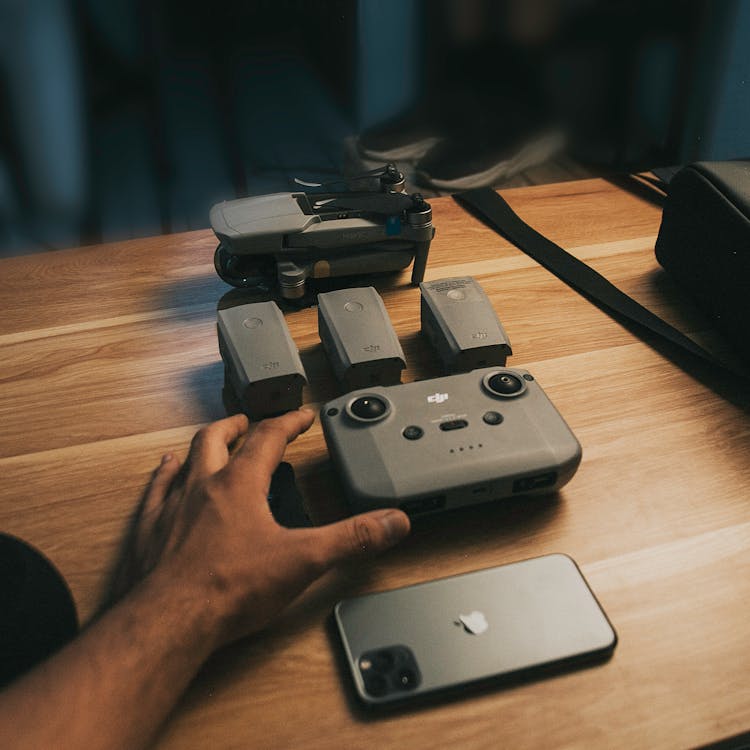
(206,525)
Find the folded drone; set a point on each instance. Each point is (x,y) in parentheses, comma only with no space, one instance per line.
(284,239)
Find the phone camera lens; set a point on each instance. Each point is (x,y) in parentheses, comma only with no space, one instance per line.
(376,685)
(504,384)
(382,661)
(368,408)
(406,679)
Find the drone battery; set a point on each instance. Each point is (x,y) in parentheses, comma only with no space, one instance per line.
(359,339)
(263,374)
(460,322)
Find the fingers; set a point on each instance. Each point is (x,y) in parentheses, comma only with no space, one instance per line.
(157,490)
(209,451)
(132,563)
(260,454)
(154,502)
(364,534)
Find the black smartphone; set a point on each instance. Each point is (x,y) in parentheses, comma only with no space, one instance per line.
(512,621)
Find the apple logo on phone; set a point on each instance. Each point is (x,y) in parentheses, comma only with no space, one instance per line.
(475,622)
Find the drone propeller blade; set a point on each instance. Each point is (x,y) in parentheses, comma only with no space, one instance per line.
(377,172)
(323,202)
(385,204)
(304,183)
(387,169)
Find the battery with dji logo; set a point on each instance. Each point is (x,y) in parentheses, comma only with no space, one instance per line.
(359,339)
(461,324)
(263,373)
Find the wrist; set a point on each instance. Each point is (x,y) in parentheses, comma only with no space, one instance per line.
(191,602)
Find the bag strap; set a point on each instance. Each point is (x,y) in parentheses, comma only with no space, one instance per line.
(488,206)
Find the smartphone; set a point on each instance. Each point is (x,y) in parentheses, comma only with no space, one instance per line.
(488,626)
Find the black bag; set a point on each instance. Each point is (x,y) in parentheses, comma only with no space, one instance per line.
(704,243)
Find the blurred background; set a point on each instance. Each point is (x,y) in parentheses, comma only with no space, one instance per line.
(123,119)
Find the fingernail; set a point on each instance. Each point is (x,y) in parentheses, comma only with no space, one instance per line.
(166,458)
(395,524)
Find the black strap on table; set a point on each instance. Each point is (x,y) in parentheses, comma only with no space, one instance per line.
(493,210)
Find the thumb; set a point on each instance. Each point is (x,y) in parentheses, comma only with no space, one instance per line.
(364,534)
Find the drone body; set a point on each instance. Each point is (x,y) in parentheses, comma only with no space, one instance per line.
(288,238)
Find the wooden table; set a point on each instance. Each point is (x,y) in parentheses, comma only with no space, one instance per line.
(109,358)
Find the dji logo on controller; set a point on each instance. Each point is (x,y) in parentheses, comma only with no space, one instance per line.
(437,398)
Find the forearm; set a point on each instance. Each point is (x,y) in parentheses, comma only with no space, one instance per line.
(224,569)
(114,685)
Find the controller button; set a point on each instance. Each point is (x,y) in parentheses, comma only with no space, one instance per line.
(368,407)
(332,412)
(528,376)
(492,417)
(413,432)
(504,384)
(453,424)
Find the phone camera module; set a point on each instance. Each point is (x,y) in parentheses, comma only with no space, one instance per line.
(368,408)
(504,384)
(389,670)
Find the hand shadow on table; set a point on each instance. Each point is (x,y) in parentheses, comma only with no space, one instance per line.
(204,384)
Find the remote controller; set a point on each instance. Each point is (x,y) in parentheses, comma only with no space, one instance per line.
(454,441)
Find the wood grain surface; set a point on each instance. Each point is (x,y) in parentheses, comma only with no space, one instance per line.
(108,358)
